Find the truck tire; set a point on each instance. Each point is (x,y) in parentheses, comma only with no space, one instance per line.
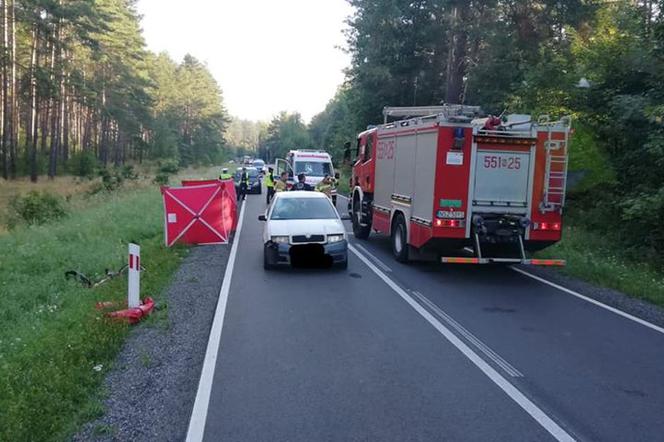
(359,231)
(400,239)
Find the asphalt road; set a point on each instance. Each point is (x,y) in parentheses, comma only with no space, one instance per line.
(385,351)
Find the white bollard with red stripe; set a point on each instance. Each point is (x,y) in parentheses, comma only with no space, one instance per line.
(134,275)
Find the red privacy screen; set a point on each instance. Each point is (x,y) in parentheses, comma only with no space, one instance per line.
(200,212)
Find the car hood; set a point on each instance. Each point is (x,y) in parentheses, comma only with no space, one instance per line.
(305,227)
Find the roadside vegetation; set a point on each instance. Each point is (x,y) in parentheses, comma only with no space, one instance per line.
(55,346)
(81,88)
(598,260)
(600,62)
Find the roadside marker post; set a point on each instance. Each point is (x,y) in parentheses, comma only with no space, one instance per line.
(134,275)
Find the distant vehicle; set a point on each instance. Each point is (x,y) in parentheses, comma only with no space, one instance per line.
(254,180)
(447,179)
(260,165)
(303,226)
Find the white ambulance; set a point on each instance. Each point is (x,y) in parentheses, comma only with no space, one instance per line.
(314,164)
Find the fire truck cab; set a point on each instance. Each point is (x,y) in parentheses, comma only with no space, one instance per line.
(447,178)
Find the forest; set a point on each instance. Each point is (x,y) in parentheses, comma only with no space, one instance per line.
(601,62)
(79,87)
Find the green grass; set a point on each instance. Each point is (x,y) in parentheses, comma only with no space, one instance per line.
(51,336)
(343,186)
(593,258)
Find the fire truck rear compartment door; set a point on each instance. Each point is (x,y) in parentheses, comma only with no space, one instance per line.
(502,178)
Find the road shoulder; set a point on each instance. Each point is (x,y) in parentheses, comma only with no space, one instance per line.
(152,387)
(613,298)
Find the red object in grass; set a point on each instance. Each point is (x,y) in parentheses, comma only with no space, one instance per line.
(132,315)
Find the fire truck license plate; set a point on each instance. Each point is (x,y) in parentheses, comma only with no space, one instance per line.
(451,214)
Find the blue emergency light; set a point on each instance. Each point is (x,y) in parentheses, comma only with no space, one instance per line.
(459,138)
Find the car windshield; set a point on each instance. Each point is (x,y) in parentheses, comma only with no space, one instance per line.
(259,163)
(303,208)
(311,168)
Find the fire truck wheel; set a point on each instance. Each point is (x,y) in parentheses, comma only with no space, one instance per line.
(400,239)
(359,231)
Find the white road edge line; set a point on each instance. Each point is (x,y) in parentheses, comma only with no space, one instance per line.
(495,357)
(200,410)
(591,300)
(380,263)
(526,404)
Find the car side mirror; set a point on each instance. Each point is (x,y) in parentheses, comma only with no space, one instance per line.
(262,218)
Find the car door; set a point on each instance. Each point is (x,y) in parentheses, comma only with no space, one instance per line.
(281,166)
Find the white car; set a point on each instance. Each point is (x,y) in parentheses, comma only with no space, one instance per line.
(303,226)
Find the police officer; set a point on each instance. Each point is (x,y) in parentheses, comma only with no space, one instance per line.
(301,184)
(268,179)
(225,175)
(335,183)
(244,185)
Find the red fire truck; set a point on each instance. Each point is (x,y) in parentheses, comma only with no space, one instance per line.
(445,179)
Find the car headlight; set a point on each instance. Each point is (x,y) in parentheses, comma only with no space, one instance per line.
(280,239)
(335,238)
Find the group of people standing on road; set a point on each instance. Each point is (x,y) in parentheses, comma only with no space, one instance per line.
(272,185)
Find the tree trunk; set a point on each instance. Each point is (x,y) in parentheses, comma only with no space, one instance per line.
(5,99)
(66,112)
(103,142)
(16,126)
(456,61)
(32,140)
(55,107)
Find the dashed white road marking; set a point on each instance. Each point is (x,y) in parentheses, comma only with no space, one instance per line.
(200,411)
(592,301)
(519,398)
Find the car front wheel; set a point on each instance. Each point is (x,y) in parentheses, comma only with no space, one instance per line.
(267,263)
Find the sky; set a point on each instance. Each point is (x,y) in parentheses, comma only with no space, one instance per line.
(267,55)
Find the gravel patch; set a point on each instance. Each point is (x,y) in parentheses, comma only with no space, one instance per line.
(153,384)
(636,307)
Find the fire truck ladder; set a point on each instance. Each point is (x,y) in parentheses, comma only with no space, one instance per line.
(555,172)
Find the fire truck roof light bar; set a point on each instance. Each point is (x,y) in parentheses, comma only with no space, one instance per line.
(533,262)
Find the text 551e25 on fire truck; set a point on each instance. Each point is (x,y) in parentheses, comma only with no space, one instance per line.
(446,179)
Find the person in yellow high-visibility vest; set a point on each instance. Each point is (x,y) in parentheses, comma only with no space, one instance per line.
(281,185)
(325,186)
(268,180)
(244,185)
(225,175)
